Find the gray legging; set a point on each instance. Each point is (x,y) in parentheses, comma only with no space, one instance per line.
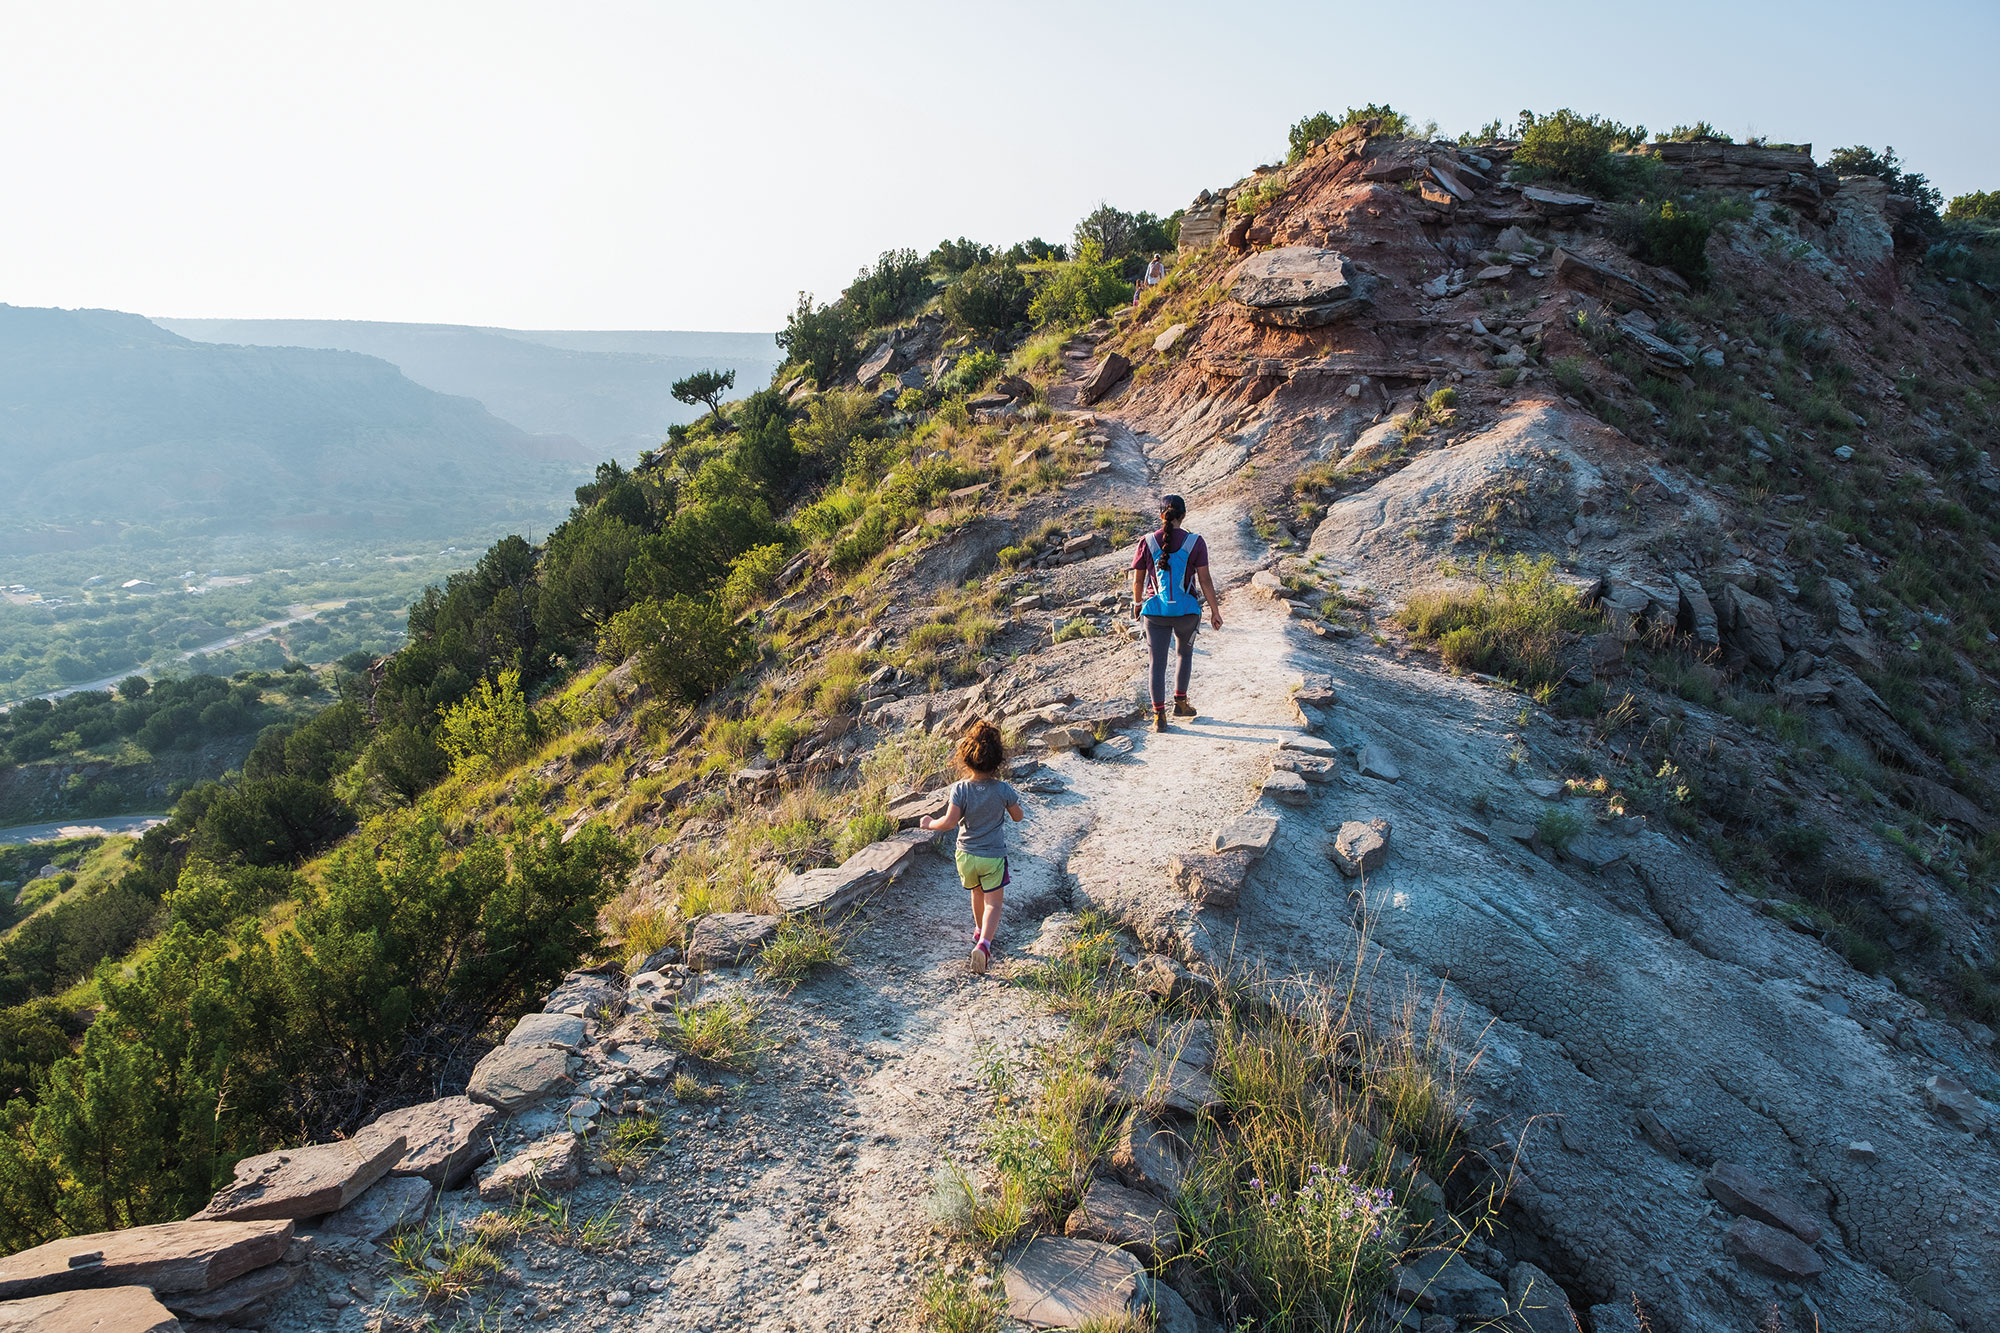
(1159,629)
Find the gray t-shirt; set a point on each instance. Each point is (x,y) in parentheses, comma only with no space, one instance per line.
(983,830)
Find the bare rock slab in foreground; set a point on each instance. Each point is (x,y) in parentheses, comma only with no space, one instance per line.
(305,1182)
(552,1163)
(1149,1156)
(109,1310)
(1057,1282)
(1213,881)
(514,1077)
(238,1300)
(1298,286)
(1247,833)
(1769,1250)
(726,939)
(547,1030)
(1127,1218)
(442,1140)
(174,1256)
(396,1201)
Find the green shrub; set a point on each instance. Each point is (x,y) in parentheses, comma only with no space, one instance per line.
(1079,291)
(1303,135)
(1672,235)
(896,286)
(987,299)
(687,648)
(1575,148)
(868,539)
(1980,205)
(1558,827)
(752,577)
(822,339)
(971,373)
(1887,167)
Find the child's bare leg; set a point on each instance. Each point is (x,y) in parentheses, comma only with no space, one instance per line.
(989,922)
(978,906)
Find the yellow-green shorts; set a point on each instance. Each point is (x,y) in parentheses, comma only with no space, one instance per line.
(985,873)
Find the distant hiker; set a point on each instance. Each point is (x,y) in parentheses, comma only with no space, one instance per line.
(1156,272)
(978,803)
(1165,569)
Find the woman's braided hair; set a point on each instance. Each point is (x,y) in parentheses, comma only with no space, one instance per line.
(980,750)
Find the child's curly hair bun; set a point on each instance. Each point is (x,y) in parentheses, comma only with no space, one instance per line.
(980,750)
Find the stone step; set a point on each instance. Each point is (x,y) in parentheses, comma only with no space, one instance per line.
(170,1257)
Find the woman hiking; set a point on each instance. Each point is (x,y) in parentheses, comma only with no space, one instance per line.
(980,806)
(1165,569)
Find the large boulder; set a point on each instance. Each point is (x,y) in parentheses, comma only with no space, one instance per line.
(108,1310)
(1298,286)
(515,1077)
(442,1140)
(880,362)
(1217,880)
(726,939)
(312,1181)
(1752,627)
(170,1257)
(1606,284)
(1103,377)
(1057,1282)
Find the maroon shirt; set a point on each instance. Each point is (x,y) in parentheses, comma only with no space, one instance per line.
(1197,558)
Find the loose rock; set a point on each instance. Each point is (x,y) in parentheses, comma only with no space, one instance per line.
(515,1077)
(1743,1193)
(1359,849)
(305,1182)
(552,1163)
(1772,1251)
(442,1140)
(1057,1282)
(726,939)
(1127,1218)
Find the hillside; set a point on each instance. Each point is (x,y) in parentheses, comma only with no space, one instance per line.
(112,423)
(1569,904)
(607,390)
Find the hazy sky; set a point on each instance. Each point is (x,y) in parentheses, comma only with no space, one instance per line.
(667,165)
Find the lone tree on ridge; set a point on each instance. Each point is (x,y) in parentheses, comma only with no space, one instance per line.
(705,386)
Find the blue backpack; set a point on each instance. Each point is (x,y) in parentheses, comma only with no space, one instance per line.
(1171,596)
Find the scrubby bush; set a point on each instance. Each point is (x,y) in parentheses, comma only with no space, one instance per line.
(1567,146)
(1303,135)
(1512,622)
(896,286)
(1672,235)
(959,255)
(987,299)
(821,338)
(753,577)
(1887,167)
(687,648)
(1980,205)
(1079,291)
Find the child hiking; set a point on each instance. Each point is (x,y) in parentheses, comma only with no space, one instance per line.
(1169,562)
(980,805)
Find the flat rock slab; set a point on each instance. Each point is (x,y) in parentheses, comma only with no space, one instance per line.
(1127,1218)
(585,993)
(173,1256)
(1297,286)
(907,810)
(1359,848)
(1212,881)
(237,1299)
(513,1078)
(1316,690)
(442,1140)
(1247,833)
(1744,1193)
(1057,1282)
(305,1182)
(661,989)
(1103,377)
(1377,762)
(1316,746)
(1539,1305)
(1547,788)
(398,1201)
(1149,1079)
(1769,1250)
(1147,1155)
(552,1163)
(1441,1282)
(1555,203)
(727,939)
(1606,284)
(829,889)
(1955,1104)
(107,1310)
(1287,787)
(1310,767)
(547,1030)
(1593,852)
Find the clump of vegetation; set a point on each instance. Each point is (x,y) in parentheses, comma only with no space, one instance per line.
(726,1033)
(1300,138)
(1511,623)
(1576,149)
(1888,168)
(801,947)
(1088,287)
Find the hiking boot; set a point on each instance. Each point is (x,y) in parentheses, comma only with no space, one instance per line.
(1159,721)
(1182,708)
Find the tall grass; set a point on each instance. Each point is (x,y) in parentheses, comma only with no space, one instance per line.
(1512,622)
